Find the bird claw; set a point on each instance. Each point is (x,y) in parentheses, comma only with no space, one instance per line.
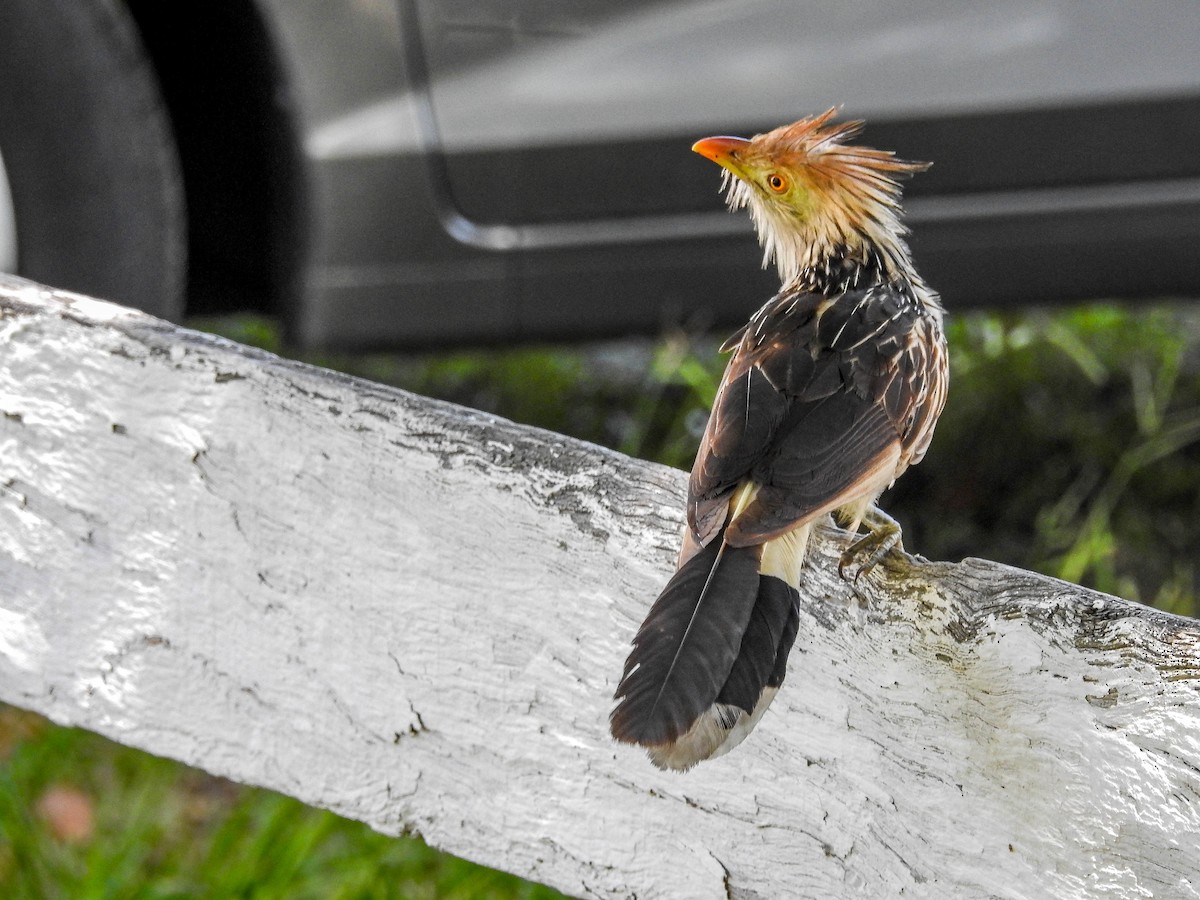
(868,551)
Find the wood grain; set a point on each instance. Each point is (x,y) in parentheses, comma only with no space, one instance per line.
(415,614)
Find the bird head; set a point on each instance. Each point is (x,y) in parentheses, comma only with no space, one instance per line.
(812,195)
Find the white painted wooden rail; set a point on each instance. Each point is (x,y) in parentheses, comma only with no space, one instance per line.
(414,614)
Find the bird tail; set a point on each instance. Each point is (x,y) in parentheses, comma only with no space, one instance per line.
(712,652)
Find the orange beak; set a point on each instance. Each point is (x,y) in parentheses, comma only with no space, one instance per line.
(722,150)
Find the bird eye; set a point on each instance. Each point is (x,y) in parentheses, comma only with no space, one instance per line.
(777,182)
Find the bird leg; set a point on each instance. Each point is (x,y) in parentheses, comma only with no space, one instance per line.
(883,535)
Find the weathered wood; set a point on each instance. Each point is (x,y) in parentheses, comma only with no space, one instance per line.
(414,614)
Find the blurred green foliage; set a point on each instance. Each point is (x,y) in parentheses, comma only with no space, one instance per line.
(1070,445)
(162,830)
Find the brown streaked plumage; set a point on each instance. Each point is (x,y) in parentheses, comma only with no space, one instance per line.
(833,390)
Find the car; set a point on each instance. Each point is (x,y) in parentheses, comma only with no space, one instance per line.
(403,173)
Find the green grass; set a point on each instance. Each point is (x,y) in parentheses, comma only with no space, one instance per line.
(1070,445)
(163,830)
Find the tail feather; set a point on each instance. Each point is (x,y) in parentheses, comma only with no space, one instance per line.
(712,652)
(685,649)
(790,629)
(782,600)
(760,646)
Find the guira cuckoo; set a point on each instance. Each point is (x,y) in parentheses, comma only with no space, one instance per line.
(832,391)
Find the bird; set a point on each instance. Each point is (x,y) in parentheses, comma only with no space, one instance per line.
(832,391)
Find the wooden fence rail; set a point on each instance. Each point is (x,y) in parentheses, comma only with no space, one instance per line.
(414,614)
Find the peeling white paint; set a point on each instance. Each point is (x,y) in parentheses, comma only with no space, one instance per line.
(415,615)
(21,641)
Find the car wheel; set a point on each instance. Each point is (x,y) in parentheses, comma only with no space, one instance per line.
(95,196)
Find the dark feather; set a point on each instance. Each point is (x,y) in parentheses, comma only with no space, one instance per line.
(683,653)
(761,644)
(789,369)
(790,629)
(827,449)
(816,393)
(829,376)
(743,420)
(819,458)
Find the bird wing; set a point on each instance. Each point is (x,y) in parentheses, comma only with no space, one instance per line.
(817,408)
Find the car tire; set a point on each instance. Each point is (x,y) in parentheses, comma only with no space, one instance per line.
(91,164)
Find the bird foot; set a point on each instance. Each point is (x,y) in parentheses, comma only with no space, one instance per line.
(883,536)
